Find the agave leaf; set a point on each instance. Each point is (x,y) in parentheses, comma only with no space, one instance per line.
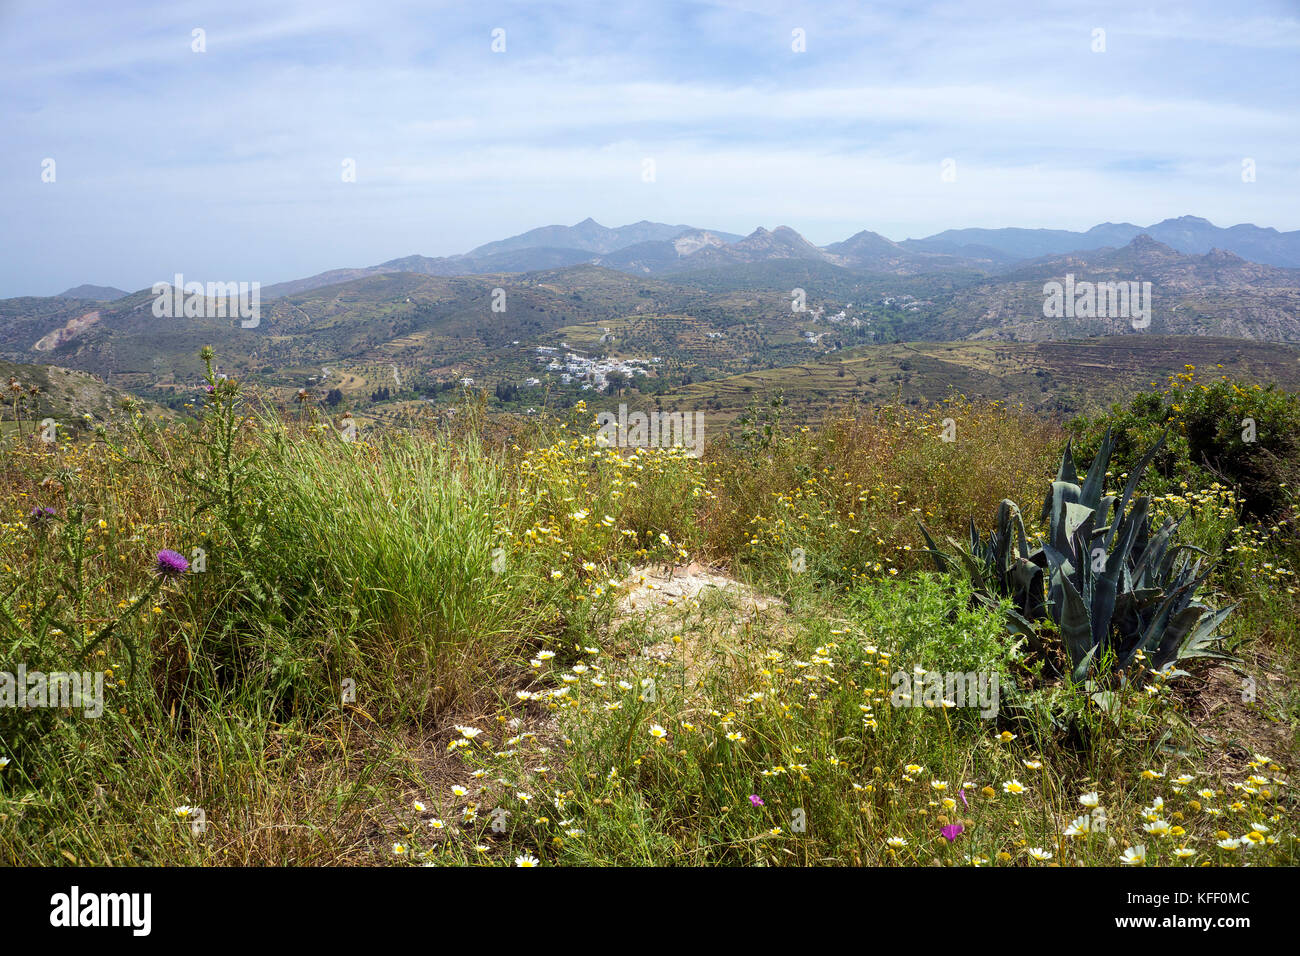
(1133,478)
(1148,565)
(1076,628)
(1168,562)
(1027,580)
(1180,625)
(1103,513)
(973,569)
(1141,534)
(1179,597)
(1066,471)
(1067,515)
(1061,568)
(1006,511)
(1090,492)
(1080,672)
(1018,624)
(1200,641)
(942,561)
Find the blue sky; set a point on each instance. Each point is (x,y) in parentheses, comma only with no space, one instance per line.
(226,165)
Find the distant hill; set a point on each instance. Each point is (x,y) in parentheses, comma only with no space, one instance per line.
(65,395)
(96,293)
(548,247)
(1187,234)
(1217,294)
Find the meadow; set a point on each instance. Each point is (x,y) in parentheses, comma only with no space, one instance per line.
(498,641)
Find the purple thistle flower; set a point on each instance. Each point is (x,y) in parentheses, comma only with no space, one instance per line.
(756,800)
(39,516)
(951,830)
(169,565)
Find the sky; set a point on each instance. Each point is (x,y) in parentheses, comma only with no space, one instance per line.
(134,148)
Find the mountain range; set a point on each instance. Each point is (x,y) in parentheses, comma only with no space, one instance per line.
(651,248)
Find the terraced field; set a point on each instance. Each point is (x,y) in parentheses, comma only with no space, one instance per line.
(1053,377)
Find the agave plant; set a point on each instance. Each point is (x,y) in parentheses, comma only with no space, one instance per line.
(1117,592)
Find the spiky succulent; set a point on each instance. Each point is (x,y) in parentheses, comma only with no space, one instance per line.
(1114,589)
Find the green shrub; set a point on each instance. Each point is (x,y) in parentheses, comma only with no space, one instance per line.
(1243,434)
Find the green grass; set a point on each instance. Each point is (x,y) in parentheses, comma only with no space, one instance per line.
(362,601)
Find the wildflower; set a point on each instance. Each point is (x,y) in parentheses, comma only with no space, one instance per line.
(470,732)
(399,849)
(1089,799)
(419,807)
(756,800)
(459,791)
(1156,828)
(1039,854)
(1078,827)
(1184,854)
(183,812)
(1013,787)
(169,565)
(896,843)
(1134,856)
(527,860)
(39,517)
(951,831)
(657,732)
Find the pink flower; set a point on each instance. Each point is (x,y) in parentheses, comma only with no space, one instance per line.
(951,830)
(756,800)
